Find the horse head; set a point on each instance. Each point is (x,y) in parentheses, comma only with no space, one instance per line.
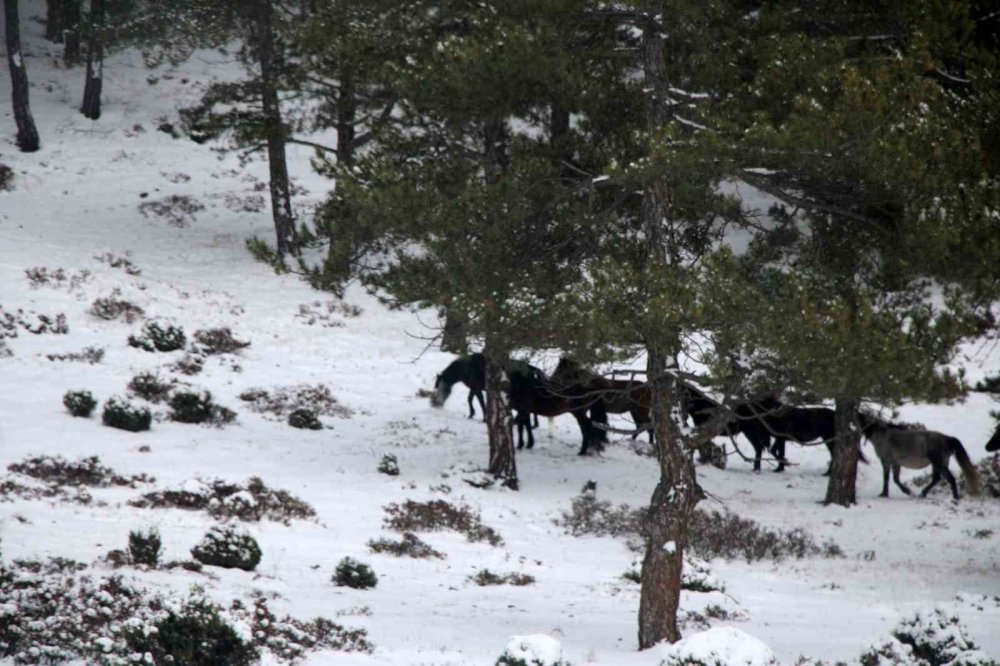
(994,443)
(442,390)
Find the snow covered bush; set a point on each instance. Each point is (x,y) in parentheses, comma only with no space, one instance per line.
(191,407)
(194,635)
(305,419)
(589,515)
(929,638)
(79,403)
(149,386)
(57,471)
(409,546)
(354,574)
(282,401)
(251,502)
(144,547)
(120,413)
(718,646)
(532,650)
(389,465)
(91,355)
(229,547)
(159,337)
(211,341)
(290,639)
(696,576)
(436,515)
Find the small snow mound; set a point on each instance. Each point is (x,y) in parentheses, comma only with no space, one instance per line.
(718,646)
(532,650)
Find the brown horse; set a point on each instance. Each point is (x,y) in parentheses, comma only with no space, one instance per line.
(531,392)
(616,396)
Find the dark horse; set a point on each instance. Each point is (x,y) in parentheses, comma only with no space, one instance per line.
(469,370)
(702,409)
(994,443)
(616,396)
(531,392)
(898,446)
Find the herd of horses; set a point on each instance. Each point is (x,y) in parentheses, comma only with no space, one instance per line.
(766,423)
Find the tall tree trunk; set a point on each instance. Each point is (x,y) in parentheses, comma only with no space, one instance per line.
(495,148)
(677,492)
(72,15)
(499,422)
(842,486)
(453,337)
(27,133)
(347,111)
(91,107)
(54,20)
(281,197)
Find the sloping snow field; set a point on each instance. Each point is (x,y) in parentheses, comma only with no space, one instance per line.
(79,197)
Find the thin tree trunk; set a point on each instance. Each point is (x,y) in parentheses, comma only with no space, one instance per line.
(281,197)
(677,493)
(72,15)
(91,107)
(27,133)
(54,24)
(499,422)
(842,486)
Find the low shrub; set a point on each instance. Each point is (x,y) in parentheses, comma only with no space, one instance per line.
(177,209)
(191,407)
(212,341)
(149,386)
(228,547)
(389,465)
(121,414)
(159,337)
(144,547)
(290,639)
(253,501)
(929,638)
(118,261)
(726,535)
(89,472)
(194,635)
(436,515)
(589,515)
(305,419)
(282,401)
(719,646)
(189,365)
(989,384)
(485,577)
(354,574)
(79,403)
(409,546)
(6,177)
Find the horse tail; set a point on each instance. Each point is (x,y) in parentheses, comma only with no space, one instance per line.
(968,469)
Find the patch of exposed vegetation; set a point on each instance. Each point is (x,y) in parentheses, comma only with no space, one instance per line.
(120,413)
(57,278)
(88,472)
(229,547)
(114,307)
(178,210)
(189,364)
(225,501)
(91,355)
(32,322)
(211,341)
(191,407)
(144,548)
(326,314)
(353,574)
(409,546)
(305,419)
(435,515)
(149,386)
(117,261)
(485,577)
(290,639)
(159,337)
(389,465)
(282,401)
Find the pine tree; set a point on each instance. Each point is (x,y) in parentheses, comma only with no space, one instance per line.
(27,133)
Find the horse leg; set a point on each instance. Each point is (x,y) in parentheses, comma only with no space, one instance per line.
(758,449)
(519,420)
(472,410)
(586,428)
(778,451)
(950,478)
(482,404)
(885,480)
(899,484)
(934,479)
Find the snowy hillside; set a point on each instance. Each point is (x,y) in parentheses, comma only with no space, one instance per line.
(120,188)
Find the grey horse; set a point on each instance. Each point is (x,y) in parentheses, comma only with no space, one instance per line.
(898,446)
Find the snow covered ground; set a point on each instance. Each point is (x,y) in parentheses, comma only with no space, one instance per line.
(79,198)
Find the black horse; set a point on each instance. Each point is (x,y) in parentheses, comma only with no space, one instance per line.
(469,370)
(531,392)
(798,424)
(994,443)
(603,396)
(745,420)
